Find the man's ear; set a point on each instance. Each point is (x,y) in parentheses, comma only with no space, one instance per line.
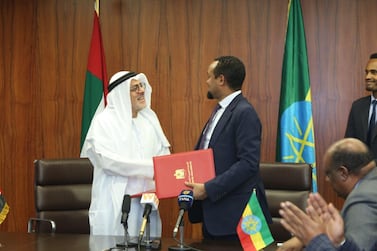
(221,79)
(343,173)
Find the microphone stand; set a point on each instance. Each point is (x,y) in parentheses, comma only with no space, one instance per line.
(147,243)
(126,244)
(181,246)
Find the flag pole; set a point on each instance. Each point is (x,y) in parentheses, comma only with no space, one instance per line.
(286,27)
(96,6)
(96,82)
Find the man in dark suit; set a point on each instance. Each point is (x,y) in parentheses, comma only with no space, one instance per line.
(352,173)
(234,134)
(362,110)
(320,229)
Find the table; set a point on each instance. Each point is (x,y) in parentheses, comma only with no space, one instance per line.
(82,242)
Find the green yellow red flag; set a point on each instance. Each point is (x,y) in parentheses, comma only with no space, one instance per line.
(4,208)
(252,229)
(295,136)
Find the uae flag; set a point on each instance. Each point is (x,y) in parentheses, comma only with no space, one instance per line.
(4,208)
(96,82)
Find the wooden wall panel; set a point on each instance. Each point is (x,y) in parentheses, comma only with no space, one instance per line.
(338,49)
(44,48)
(17,95)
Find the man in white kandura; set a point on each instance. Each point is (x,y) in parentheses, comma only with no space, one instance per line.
(121,142)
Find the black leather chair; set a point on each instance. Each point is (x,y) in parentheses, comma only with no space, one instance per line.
(62,196)
(285,182)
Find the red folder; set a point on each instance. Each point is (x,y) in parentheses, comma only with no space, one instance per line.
(172,171)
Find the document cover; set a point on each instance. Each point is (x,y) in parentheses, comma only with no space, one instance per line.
(172,171)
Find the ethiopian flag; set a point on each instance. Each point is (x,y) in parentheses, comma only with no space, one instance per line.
(295,136)
(253,230)
(96,82)
(4,208)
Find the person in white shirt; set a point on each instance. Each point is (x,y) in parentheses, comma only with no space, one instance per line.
(120,144)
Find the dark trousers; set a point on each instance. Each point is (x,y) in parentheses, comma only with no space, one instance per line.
(208,236)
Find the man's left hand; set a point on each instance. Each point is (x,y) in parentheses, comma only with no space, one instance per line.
(301,225)
(198,190)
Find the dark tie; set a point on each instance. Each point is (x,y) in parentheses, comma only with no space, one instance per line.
(372,123)
(208,126)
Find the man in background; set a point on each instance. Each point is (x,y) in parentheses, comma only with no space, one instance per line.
(362,117)
(234,133)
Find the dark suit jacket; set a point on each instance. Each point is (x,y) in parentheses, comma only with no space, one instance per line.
(236,143)
(322,243)
(357,126)
(359,212)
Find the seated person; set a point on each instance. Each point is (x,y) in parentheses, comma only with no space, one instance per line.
(351,171)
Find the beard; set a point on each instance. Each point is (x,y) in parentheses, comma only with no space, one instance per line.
(210,96)
(370,86)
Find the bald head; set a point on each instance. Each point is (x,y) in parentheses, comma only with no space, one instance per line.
(345,163)
(348,145)
(350,153)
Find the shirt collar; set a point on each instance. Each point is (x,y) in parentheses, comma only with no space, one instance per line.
(228,99)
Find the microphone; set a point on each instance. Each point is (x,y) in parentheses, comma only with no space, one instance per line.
(124,218)
(185,200)
(125,209)
(150,202)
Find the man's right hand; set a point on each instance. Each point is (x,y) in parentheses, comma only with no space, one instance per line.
(330,216)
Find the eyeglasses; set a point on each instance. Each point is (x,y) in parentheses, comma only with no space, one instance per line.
(136,88)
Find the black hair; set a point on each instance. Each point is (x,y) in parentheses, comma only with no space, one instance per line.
(373,55)
(232,69)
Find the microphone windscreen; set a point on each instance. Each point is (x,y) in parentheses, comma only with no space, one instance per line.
(185,199)
(126,203)
(147,210)
(149,198)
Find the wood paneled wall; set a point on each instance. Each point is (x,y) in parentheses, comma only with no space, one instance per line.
(44,47)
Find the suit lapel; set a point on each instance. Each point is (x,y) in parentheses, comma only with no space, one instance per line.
(365,116)
(374,134)
(365,119)
(224,119)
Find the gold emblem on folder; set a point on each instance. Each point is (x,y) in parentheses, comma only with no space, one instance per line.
(179,174)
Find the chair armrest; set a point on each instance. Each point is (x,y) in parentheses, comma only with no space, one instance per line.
(33,225)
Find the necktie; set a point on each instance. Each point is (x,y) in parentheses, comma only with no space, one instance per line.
(209,125)
(372,122)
